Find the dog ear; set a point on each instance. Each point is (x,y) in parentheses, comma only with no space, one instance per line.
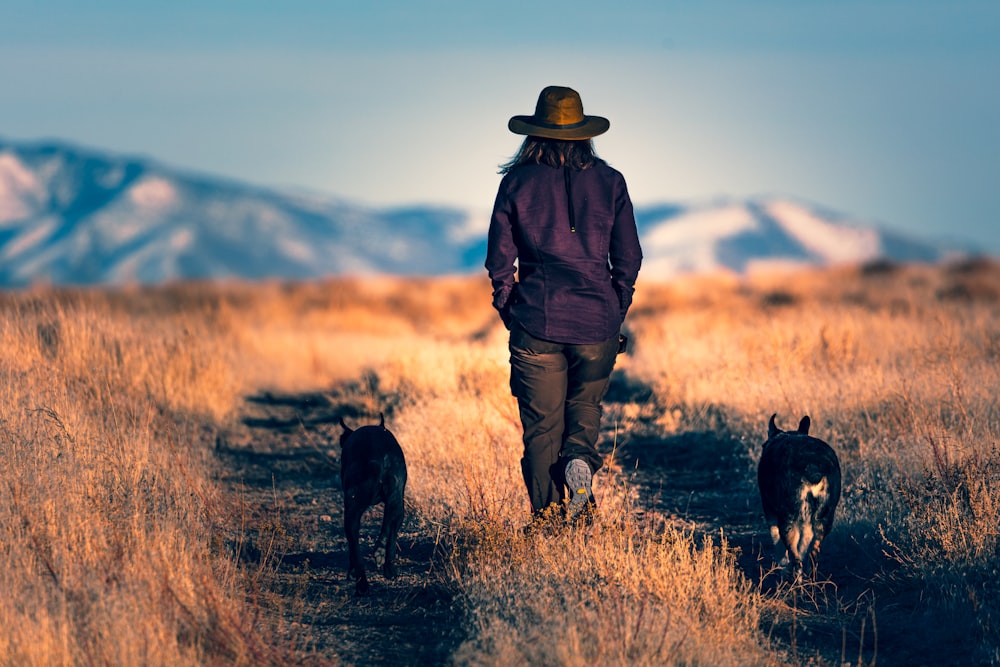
(347,429)
(772,430)
(381,420)
(804,425)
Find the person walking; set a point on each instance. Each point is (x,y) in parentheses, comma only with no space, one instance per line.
(563,256)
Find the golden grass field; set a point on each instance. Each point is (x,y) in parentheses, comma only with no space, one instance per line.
(122,547)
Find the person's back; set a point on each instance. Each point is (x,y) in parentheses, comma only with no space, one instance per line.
(563,252)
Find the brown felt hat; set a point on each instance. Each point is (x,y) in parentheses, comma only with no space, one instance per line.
(559,115)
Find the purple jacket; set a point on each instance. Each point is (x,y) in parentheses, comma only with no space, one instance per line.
(574,238)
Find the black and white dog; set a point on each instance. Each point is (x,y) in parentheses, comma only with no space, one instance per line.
(372,471)
(799,481)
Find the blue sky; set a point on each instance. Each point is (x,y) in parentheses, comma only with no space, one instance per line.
(886,110)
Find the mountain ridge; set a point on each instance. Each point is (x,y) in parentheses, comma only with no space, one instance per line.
(72,215)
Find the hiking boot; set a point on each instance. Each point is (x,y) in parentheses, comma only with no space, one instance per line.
(579,479)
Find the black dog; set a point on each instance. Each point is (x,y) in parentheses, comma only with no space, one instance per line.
(372,471)
(799,480)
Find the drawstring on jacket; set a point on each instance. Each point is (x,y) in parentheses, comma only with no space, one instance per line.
(569,200)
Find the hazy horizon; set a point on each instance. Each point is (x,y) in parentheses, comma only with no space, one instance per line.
(887,113)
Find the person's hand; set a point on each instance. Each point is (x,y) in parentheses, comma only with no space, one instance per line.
(505,310)
(506,315)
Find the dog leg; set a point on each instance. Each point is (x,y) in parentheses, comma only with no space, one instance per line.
(780,551)
(352,530)
(388,537)
(814,552)
(792,540)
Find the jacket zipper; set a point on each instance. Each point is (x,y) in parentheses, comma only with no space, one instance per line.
(569,200)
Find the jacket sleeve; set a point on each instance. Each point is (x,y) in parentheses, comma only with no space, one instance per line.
(625,253)
(501,253)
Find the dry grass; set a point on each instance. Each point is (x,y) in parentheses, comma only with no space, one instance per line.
(615,593)
(120,548)
(899,367)
(107,507)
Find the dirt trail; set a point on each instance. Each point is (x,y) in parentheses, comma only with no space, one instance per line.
(278,463)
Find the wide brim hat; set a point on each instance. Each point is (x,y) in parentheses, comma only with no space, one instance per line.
(559,115)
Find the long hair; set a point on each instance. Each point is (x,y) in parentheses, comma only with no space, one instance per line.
(578,154)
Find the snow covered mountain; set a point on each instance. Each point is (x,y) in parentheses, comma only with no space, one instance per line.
(70,215)
(743,235)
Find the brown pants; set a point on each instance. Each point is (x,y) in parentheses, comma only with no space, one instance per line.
(559,388)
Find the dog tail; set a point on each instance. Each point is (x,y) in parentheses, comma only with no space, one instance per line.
(814,476)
